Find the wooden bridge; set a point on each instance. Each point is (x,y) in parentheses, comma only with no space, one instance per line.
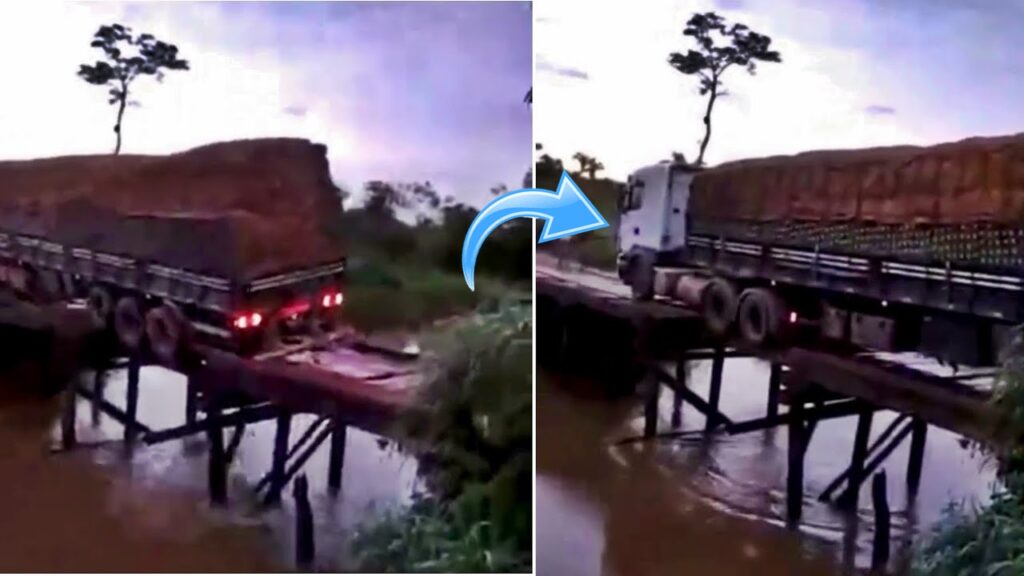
(338,377)
(588,324)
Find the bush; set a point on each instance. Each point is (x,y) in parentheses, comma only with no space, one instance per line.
(474,427)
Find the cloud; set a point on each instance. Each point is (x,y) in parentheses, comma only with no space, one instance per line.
(296,110)
(879,110)
(730,4)
(565,71)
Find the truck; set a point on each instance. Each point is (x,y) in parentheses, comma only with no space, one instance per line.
(891,248)
(230,244)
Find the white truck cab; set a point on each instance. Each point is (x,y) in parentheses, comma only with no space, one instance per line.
(652,221)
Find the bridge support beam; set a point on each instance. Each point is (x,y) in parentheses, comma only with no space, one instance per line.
(919,434)
(131,404)
(798,440)
(336,463)
(774,385)
(715,390)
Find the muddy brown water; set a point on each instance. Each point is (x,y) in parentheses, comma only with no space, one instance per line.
(100,509)
(717,507)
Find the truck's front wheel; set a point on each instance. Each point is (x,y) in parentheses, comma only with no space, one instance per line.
(641,276)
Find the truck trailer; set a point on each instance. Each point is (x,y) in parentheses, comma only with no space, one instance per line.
(894,248)
(229,244)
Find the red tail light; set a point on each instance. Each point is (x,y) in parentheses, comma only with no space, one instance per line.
(331,299)
(246,321)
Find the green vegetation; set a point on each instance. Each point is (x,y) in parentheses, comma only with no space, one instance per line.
(405,275)
(597,248)
(989,541)
(473,429)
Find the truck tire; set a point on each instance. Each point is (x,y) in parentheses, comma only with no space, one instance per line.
(718,306)
(761,316)
(167,330)
(129,323)
(101,304)
(641,276)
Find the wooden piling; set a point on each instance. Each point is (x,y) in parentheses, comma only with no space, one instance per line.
(795,472)
(880,502)
(336,463)
(99,384)
(218,463)
(68,434)
(652,392)
(277,466)
(919,434)
(131,405)
(191,401)
(715,390)
(848,499)
(305,545)
(774,385)
(677,395)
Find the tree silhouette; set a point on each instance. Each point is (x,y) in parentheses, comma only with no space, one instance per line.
(126,57)
(719,46)
(588,164)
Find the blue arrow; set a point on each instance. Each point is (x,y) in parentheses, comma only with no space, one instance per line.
(566,212)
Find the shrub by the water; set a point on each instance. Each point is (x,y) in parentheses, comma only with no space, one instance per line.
(473,427)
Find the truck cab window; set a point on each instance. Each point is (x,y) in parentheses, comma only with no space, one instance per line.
(634,196)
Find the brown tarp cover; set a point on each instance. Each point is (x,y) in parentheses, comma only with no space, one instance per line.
(973,180)
(237,209)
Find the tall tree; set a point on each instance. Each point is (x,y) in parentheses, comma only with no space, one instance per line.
(588,164)
(126,57)
(719,47)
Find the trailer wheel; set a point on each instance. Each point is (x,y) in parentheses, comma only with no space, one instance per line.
(718,305)
(101,304)
(761,316)
(167,330)
(129,324)
(641,276)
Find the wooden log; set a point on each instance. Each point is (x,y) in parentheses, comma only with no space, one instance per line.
(715,391)
(880,502)
(774,385)
(652,391)
(336,463)
(677,396)
(99,384)
(191,402)
(68,433)
(859,457)
(217,478)
(836,482)
(919,435)
(131,405)
(795,469)
(305,545)
(280,457)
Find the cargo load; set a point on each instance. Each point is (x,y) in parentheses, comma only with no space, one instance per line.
(236,239)
(973,180)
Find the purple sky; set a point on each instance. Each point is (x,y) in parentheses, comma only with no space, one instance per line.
(404,91)
(855,73)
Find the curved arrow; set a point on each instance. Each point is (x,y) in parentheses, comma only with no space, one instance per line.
(566,211)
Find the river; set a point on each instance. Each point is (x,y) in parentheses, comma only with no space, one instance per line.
(99,509)
(716,507)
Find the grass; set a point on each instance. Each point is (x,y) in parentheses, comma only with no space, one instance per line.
(473,429)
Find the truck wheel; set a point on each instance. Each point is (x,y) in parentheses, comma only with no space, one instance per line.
(129,324)
(641,277)
(718,306)
(167,330)
(761,316)
(101,304)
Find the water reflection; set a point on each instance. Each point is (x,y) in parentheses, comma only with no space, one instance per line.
(659,508)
